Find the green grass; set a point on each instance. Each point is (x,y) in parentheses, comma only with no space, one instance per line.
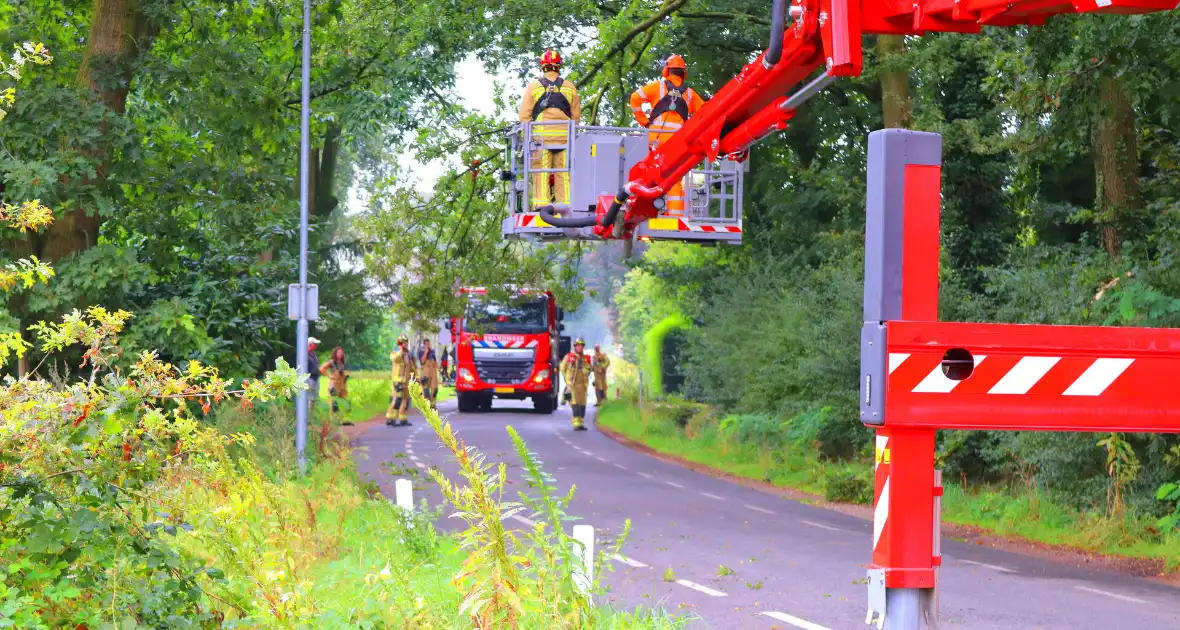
(1002,511)
(322,551)
(368,397)
(709,447)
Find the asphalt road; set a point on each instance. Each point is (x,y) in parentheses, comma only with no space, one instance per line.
(734,557)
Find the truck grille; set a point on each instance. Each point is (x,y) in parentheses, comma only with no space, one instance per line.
(503,371)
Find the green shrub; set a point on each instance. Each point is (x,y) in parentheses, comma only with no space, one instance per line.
(845,484)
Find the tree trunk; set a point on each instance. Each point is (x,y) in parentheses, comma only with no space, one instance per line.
(325,177)
(895,81)
(1116,161)
(119,34)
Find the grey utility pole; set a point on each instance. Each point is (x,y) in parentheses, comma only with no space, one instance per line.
(301,306)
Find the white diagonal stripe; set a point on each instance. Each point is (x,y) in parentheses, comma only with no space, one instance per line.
(937,383)
(1098,377)
(1026,373)
(896,359)
(880,513)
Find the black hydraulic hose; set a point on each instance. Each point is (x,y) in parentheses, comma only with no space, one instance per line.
(612,212)
(778,25)
(547,216)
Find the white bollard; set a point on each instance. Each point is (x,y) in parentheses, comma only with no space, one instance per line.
(404,491)
(584,551)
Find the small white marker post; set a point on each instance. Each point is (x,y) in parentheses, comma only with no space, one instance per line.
(403,489)
(584,551)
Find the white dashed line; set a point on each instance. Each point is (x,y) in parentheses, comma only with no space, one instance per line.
(413,458)
(758,509)
(523,519)
(420,464)
(988,566)
(631,562)
(602,459)
(701,588)
(409,451)
(712,496)
(621,467)
(821,526)
(674,484)
(794,621)
(646,476)
(1125,598)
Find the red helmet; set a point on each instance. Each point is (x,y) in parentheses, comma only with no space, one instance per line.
(673,62)
(551,58)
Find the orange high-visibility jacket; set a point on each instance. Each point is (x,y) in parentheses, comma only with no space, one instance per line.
(671,105)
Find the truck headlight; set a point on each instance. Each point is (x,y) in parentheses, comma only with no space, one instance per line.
(541,376)
(466,375)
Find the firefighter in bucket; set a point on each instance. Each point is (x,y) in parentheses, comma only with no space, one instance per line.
(671,103)
(550,99)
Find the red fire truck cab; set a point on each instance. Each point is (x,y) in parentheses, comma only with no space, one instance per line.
(508,349)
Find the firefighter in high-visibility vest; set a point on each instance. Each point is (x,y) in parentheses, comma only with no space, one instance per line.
(428,373)
(601,363)
(576,369)
(671,103)
(402,373)
(553,100)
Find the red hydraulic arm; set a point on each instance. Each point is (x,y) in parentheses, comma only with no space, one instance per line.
(818,34)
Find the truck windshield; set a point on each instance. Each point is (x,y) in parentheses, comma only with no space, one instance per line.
(517,316)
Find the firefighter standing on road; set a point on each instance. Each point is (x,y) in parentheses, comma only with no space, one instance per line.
(403,371)
(550,99)
(672,102)
(575,369)
(428,374)
(601,363)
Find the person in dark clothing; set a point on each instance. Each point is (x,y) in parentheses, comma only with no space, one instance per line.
(313,376)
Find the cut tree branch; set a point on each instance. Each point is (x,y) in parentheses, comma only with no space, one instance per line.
(668,8)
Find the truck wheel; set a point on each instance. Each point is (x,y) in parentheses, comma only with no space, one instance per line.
(467,402)
(485,404)
(544,404)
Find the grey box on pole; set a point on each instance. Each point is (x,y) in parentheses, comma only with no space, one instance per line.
(303,303)
(890,151)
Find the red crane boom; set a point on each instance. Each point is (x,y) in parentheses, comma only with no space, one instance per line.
(814,34)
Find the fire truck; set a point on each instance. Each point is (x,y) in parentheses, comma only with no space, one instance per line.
(508,349)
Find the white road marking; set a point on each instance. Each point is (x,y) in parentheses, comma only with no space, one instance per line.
(712,496)
(758,509)
(1125,598)
(523,519)
(674,484)
(602,459)
(413,458)
(621,467)
(631,562)
(646,476)
(988,566)
(821,526)
(420,464)
(794,621)
(701,588)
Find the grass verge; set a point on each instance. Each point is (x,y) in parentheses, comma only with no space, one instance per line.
(693,433)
